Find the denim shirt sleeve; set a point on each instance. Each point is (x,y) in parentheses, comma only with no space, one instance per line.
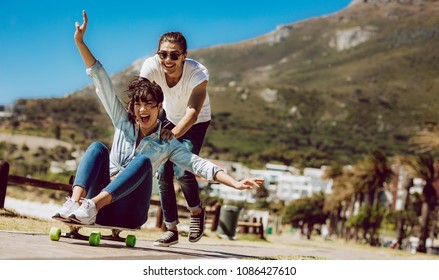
(185,159)
(107,94)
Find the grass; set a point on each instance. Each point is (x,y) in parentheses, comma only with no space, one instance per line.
(12,221)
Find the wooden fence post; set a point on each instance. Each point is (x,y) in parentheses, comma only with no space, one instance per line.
(4,174)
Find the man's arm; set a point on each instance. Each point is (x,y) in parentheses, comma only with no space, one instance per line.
(195,104)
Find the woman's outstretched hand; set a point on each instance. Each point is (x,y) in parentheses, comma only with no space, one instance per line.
(249,183)
(80,29)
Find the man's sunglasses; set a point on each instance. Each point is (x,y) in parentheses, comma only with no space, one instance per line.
(172,55)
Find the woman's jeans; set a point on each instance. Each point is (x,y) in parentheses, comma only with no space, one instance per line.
(130,190)
(187,182)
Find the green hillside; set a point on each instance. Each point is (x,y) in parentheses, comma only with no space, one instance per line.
(326,89)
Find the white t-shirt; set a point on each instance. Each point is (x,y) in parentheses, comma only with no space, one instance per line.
(176,98)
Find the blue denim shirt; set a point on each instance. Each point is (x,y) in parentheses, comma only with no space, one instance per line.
(124,148)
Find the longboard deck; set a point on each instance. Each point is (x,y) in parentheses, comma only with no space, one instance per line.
(77,225)
(94,237)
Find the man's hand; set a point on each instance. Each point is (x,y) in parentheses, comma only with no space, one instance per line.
(166,134)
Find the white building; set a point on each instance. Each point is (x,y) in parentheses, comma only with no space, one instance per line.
(5,112)
(292,187)
(286,183)
(396,196)
(317,180)
(282,182)
(271,180)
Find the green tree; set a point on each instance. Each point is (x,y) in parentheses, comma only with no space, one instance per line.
(369,220)
(306,211)
(370,176)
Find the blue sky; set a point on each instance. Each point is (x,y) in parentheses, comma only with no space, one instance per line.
(38,58)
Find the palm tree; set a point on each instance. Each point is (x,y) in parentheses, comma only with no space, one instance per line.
(370,175)
(336,203)
(425,167)
(407,184)
(406,178)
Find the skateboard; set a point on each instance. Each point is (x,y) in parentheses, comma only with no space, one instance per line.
(95,236)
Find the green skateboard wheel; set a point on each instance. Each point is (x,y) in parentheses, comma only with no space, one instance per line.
(55,233)
(130,241)
(95,238)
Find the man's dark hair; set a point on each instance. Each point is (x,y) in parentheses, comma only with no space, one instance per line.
(174,37)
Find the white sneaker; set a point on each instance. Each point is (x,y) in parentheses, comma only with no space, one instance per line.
(64,212)
(86,213)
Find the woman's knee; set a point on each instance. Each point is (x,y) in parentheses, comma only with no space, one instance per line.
(143,161)
(97,147)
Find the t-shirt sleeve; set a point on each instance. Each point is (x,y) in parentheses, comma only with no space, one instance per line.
(199,75)
(149,68)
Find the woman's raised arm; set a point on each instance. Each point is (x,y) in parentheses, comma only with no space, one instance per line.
(85,52)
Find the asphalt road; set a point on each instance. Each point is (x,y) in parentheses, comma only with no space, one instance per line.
(20,246)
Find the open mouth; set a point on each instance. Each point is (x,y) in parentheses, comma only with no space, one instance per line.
(168,66)
(144,118)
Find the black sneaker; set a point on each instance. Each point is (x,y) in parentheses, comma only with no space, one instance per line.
(196,226)
(169,238)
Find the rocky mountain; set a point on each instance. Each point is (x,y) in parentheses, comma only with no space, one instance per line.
(323,89)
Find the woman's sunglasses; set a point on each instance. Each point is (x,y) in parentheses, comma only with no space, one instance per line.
(172,55)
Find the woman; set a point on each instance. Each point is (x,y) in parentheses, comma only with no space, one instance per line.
(114,187)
